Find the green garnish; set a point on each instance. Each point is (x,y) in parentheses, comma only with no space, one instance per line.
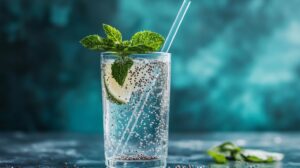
(111,98)
(96,43)
(228,151)
(147,40)
(260,156)
(112,33)
(140,43)
(217,156)
(120,69)
(224,152)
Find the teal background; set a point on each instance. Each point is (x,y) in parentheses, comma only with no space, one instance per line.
(235,64)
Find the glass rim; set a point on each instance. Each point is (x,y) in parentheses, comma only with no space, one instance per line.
(109,53)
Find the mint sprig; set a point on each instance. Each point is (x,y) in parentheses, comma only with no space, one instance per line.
(140,43)
(228,151)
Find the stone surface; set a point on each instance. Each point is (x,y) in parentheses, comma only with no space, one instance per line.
(83,150)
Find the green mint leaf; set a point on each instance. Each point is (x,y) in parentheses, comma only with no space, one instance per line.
(120,69)
(138,49)
(217,157)
(229,146)
(92,42)
(126,43)
(230,151)
(113,34)
(227,150)
(96,43)
(147,38)
(237,156)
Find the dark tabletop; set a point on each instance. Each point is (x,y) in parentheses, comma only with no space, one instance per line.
(84,150)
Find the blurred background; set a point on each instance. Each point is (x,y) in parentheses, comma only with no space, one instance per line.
(235,64)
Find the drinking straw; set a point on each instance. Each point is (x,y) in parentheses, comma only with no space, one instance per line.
(171,35)
(129,123)
(136,112)
(140,112)
(175,26)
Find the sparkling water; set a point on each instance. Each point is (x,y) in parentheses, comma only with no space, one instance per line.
(136,133)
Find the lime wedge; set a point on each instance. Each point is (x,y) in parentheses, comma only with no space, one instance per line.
(260,156)
(116,93)
(139,77)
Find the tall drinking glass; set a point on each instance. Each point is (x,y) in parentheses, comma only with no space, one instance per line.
(136,115)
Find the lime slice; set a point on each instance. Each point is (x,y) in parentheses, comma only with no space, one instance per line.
(139,77)
(259,156)
(116,93)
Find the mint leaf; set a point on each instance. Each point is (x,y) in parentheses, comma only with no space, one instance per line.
(138,49)
(218,157)
(120,69)
(233,149)
(224,152)
(126,43)
(91,42)
(229,151)
(113,34)
(237,156)
(229,146)
(96,43)
(147,38)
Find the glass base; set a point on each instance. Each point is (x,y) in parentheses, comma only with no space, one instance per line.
(155,163)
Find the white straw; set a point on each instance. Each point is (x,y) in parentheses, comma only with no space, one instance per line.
(176,24)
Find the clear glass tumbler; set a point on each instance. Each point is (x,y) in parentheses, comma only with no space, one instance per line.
(136,115)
